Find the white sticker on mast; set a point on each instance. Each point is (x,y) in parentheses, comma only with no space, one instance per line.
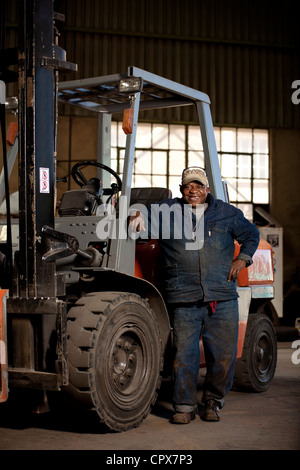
(44,180)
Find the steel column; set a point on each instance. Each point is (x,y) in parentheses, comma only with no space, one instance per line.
(36,167)
(210,151)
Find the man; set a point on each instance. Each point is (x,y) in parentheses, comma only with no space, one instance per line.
(200,291)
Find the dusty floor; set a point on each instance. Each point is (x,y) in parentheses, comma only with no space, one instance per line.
(266,421)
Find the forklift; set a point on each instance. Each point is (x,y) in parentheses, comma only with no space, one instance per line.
(83,315)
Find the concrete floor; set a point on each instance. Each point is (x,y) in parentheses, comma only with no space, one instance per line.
(266,421)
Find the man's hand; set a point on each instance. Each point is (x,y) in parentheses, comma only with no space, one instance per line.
(236,267)
(137,223)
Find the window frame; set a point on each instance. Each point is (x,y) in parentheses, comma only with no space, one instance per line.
(189,155)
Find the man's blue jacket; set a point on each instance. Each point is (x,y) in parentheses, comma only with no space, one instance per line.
(198,270)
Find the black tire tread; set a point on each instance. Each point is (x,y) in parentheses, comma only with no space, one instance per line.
(84,326)
(243,379)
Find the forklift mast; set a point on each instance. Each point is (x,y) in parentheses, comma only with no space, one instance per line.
(39,59)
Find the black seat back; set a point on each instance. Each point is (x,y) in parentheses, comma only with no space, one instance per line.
(147,196)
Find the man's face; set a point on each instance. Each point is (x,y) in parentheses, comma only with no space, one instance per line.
(194,193)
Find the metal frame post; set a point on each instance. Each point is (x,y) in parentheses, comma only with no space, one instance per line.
(36,167)
(210,151)
(124,246)
(104,147)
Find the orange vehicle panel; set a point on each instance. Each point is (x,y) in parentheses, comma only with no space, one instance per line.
(261,272)
(241,337)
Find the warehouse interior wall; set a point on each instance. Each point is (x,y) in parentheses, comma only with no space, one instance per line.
(285,193)
(244,54)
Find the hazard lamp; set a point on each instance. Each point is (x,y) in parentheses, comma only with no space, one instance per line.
(130,85)
(127,124)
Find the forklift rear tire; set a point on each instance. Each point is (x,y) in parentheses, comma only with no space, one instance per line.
(115,357)
(254,371)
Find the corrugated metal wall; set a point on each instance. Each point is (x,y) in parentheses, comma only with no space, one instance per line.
(244,54)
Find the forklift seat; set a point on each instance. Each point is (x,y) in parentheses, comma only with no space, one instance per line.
(147,196)
(147,254)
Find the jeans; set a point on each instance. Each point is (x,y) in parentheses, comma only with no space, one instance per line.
(219,334)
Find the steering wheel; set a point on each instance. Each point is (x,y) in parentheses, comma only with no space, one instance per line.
(81,180)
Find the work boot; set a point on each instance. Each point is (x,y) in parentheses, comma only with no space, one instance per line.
(183,417)
(211,411)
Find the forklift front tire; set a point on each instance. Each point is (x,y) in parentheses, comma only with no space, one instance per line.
(115,357)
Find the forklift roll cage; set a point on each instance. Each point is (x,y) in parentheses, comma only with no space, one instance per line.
(103,95)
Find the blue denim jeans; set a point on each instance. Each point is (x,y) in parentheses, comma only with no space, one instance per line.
(219,334)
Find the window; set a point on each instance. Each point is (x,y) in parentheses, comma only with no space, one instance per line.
(163,150)
(244,162)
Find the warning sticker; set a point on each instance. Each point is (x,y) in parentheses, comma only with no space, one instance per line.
(44,180)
